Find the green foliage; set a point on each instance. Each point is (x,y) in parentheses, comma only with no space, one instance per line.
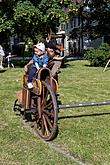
(24,10)
(31,18)
(95,15)
(99,56)
(6,24)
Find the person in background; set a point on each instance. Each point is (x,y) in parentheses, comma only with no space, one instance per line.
(39,60)
(2,54)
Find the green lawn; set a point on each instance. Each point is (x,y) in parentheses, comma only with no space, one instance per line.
(83,132)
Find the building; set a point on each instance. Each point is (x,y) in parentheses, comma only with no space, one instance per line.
(74,46)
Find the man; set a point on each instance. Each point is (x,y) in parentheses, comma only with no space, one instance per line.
(55,59)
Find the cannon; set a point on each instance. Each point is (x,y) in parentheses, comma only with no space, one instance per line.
(40,102)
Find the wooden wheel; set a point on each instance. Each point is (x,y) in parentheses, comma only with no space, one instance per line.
(47,116)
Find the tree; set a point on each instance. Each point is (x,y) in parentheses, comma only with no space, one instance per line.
(95,16)
(33,19)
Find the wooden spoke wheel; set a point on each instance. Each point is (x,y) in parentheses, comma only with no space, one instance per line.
(47,117)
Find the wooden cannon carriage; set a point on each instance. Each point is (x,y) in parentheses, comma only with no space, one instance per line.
(40,102)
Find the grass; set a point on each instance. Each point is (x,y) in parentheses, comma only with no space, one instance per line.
(84,132)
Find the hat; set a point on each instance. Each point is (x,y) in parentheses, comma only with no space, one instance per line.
(40,46)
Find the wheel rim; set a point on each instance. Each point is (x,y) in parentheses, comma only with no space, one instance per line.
(46,125)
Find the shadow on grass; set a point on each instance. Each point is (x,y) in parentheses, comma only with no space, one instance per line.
(59,102)
(2,70)
(86,115)
(87,65)
(91,66)
(65,65)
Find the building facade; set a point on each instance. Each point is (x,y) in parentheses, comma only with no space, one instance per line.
(75,45)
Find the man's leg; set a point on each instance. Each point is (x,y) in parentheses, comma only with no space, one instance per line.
(56,67)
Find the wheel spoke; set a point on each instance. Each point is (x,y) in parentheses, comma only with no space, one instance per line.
(49,122)
(49,114)
(43,128)
(48,104)
(45,125)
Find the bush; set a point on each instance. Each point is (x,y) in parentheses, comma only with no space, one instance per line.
(99,56)
(18,63)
